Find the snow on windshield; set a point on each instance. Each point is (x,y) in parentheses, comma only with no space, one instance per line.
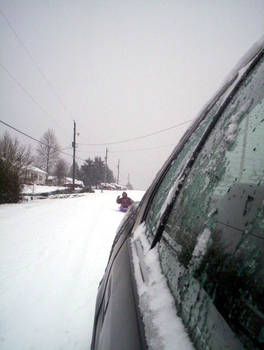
(203,242)
(232,129)
(163,328)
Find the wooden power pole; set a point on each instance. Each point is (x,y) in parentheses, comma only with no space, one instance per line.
(74,148)
(118,169)
(106,157)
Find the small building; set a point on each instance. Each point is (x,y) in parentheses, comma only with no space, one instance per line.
(35,175)
(52,180)
(68,182)
(65,181)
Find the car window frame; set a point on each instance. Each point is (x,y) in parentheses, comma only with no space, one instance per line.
(152,190)
(169,248)
(183,175)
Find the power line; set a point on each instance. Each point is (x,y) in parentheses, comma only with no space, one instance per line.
(142,149)
(34,61)
(58,97)
(78,158)
(69,155)
(138,137)
(22,132)
(36,140)
(26,92)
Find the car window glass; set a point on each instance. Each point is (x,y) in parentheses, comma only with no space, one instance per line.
(217,222)
(175,168)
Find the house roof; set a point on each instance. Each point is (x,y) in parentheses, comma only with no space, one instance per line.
(34,168)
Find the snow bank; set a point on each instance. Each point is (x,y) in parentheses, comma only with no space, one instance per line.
(164,329)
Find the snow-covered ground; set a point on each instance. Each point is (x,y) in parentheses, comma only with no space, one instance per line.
(29,189)
(53,253)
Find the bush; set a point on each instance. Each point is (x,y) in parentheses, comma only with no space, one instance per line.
(9,183)
(87,189)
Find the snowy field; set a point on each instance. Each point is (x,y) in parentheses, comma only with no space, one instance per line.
(29,189)
(53,254)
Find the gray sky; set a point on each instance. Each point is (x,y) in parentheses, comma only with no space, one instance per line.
(121,69)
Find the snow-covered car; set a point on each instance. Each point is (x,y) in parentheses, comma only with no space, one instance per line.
(186,270)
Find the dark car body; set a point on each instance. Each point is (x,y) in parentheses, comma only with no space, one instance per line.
(204,217)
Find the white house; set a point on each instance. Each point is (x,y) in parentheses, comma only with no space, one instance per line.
(32,174)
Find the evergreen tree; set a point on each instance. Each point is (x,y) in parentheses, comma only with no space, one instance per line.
(110,176)
(94,172)
(9,183)
(99,170)
(87,173)
(14,159)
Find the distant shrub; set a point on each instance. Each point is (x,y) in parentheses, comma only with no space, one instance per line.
(87,189)
(9,183)
(14,158)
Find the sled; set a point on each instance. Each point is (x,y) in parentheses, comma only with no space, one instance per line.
(123,210)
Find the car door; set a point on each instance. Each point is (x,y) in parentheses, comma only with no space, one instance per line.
(117,322)
(208,219)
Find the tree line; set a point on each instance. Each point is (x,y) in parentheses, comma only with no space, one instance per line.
(16,158)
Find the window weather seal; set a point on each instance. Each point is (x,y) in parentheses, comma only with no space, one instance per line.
(198,148)
(179,147)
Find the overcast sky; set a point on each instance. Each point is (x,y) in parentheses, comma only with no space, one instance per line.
(120,69)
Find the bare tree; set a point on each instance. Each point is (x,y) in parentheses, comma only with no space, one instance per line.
(15,155)
(61,170)
(48,151)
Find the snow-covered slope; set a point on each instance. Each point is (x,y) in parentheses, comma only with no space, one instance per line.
(53,253)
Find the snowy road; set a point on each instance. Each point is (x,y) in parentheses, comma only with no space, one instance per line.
(53,254)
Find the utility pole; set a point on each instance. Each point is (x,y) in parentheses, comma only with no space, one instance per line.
(74,147)
(129,186)
(118,167)
(106,156)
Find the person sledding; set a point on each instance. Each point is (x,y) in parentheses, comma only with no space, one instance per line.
(124,202)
